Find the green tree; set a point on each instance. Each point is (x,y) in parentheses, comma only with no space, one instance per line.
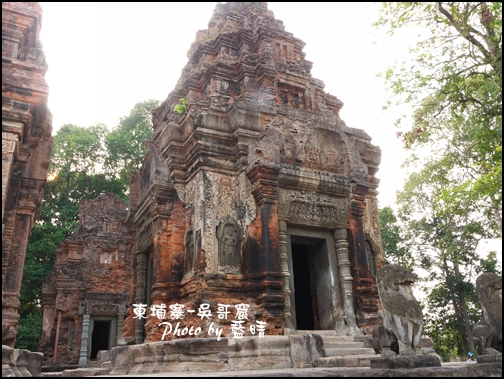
(490,264)
(443,234)
(74,173)
(455,89)
(454,134)
(126,142)
(394,246)
(86,162)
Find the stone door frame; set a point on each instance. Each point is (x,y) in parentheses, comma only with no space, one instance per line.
(328,286)
(112,338)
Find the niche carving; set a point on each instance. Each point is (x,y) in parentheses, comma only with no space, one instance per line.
(229,237)
(291,96)
(189,245)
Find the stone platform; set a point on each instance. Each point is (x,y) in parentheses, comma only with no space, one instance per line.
(447,370)
(292,355)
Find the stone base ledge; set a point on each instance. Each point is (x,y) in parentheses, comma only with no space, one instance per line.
(405,361)
(489,358)
(20,362)
(81,372)
(209,354)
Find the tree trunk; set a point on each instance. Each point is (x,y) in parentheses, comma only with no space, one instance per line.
(463,337)
(459,308)
(463,308)
(498,218)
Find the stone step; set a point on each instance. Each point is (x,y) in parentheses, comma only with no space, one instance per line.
(348,351)
(86,371)
(339,339)
(50,374)
(342,344)
(327,333)
(359,360)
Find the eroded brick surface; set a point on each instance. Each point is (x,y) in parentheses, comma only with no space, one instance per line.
(92,276)
(26,146)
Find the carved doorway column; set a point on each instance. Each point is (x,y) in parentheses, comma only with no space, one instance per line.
(83,353)
(140,294)
(284,263)
(340,238)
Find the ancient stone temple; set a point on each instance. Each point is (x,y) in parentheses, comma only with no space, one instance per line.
(85,296)
(256,194)
(26,146)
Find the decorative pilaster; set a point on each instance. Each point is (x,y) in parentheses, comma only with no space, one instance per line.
(359,259)
(140,294)
(84,341)
(120,322)
(340,237)
(12,273)
(264,180)
(284,264)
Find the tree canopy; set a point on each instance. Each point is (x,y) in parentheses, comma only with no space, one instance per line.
(455,89)
(453,196)
(86,162)
(126,142)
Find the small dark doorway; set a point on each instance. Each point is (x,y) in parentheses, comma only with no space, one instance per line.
(305,294)
(100,337)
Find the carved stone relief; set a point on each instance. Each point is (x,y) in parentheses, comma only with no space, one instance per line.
(107,256)
(213,197)
(310,208)
(101,307)
(372,224)
(371,259)
(229,239)
(75,252)
(292,96)
(189,246)
(145,234)
(208,210)
(284,50)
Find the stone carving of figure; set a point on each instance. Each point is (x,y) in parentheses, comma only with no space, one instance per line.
(371,260)
(487,333)
(229,243)
(401,329)
(295,100)
(189,250)
(283,97)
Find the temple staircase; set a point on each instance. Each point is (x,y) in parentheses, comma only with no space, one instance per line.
(344,351)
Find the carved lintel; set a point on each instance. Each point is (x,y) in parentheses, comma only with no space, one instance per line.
(310,208)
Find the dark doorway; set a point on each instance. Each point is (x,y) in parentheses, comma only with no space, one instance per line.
(304,288)
(100,337)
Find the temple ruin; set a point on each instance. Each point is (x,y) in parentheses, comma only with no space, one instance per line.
(256,194)
(26,146)
(86,295)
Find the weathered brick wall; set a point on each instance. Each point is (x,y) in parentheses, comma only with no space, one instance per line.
(26,146)
(95,259)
